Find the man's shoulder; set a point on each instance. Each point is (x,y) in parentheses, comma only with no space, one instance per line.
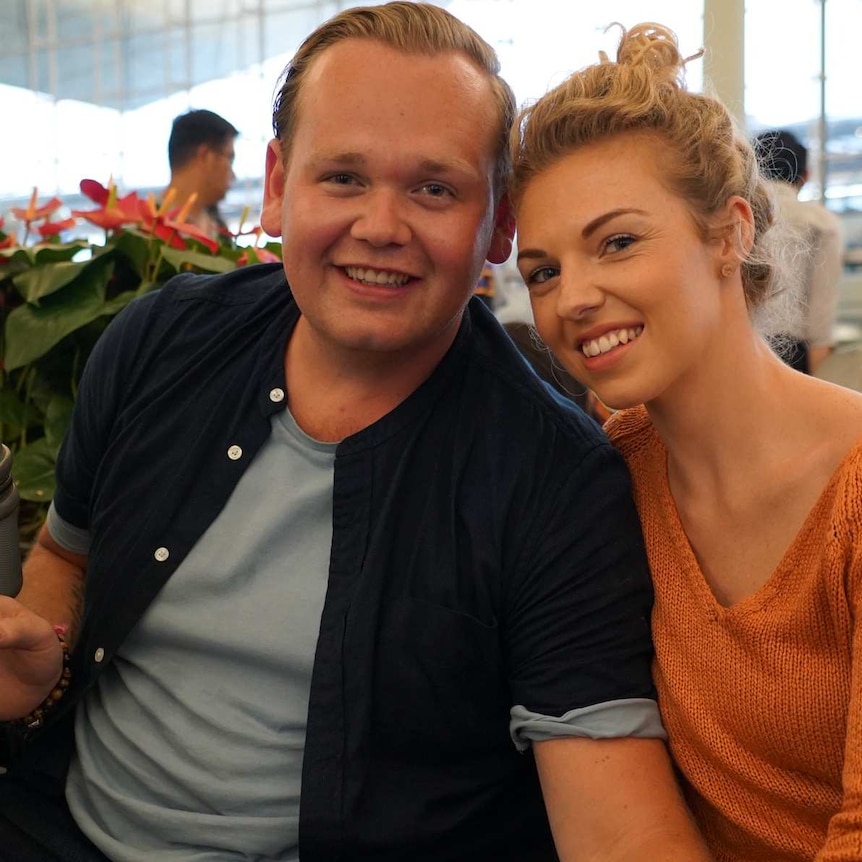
(809,214)
(823,219)
(189,321)
(250,285)
(203,304)
(514,399)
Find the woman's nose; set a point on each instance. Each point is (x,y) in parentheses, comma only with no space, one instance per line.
(579,294)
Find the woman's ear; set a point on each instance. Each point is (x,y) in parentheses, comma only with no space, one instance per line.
(736,236)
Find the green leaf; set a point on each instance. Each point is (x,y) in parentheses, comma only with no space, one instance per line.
(46,254)
(13,411)
(14,260)
(33,470)
(42,281)
(136,247)
(182,258)
(57,419)
(31,331)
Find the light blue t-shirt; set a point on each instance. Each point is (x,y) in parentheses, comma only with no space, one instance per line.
(225,650)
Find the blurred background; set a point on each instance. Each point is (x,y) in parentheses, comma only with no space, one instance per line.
(88,88)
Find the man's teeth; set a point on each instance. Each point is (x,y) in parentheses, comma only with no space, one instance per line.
(376,276)
(610,340)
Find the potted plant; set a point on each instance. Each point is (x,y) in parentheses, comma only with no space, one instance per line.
(57,296)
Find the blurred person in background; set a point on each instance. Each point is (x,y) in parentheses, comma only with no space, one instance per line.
(784,162)
(201,155)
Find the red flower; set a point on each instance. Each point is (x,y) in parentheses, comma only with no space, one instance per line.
(167,224)
(33,212)
(115,212)
(95,191)
(52,228)
(257,255)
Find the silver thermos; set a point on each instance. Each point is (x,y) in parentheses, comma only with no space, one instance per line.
(10,549)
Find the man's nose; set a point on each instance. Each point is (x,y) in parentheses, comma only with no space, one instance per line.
(382,220)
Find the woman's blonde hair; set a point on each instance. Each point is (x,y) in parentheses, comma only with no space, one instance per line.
(707,158)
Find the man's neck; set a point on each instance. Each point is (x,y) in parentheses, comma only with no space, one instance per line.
(184,187)
(334,393)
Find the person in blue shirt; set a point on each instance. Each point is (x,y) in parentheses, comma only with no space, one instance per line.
(339,577)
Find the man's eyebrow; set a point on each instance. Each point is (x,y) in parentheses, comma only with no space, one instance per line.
(443,166)
(348,158)
(430,166)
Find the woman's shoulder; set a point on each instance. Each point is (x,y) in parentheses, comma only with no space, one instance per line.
(836,416)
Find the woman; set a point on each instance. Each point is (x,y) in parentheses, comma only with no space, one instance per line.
(644,234)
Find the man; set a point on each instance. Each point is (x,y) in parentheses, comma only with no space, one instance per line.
(347,555)
(784,161)
(201,155)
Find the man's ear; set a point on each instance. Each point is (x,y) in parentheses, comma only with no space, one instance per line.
(504,232)
(204,154)
(273,189)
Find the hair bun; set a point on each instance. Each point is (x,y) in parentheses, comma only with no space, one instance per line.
(655,47)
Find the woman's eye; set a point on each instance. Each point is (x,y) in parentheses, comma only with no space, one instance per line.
(540,275)
(619,243)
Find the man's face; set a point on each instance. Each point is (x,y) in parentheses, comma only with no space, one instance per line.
(219,170)
(386,206)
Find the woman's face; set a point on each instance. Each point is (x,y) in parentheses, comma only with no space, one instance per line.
(625,291)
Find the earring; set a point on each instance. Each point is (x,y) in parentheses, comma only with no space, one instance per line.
(727,270)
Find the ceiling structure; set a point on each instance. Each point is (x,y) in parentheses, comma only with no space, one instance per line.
(124,54)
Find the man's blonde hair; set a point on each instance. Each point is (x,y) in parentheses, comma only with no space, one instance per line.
(413,28)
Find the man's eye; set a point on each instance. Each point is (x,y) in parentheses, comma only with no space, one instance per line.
(435,190)
(340,179)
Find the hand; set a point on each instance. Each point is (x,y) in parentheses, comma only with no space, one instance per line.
(31,659)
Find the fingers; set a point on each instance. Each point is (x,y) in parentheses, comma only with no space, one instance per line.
(20,628)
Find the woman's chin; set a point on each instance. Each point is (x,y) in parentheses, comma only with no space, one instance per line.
(615,401)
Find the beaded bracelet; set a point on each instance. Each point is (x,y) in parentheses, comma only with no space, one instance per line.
(35,719)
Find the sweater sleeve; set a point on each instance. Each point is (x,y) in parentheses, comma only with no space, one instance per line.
(844,837)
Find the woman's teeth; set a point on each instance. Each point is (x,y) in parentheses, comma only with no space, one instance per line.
(610,340)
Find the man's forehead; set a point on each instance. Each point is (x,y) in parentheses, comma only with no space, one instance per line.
(442,163)
(344,62)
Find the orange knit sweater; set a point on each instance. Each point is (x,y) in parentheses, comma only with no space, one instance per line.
(762,701)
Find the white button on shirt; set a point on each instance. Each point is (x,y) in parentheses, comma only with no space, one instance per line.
(161,554)
(234,453)
(276,395)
